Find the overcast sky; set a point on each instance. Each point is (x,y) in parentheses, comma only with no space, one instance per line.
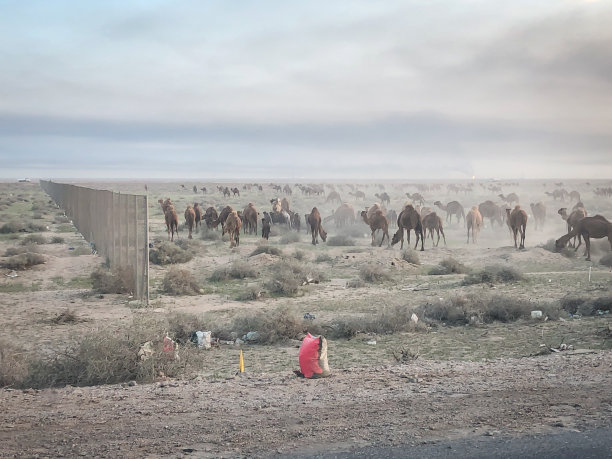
(294,89)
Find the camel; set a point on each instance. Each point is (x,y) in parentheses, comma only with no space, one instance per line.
(287,190)
(232,227)
(574,196)
(358,195)
(452,208)
(589,227)
(223,216)
(226,192)
(376,221)
(571,220)
(164,204)
(474,222)
(210,217)
(517,221)
(334,196)
(250,218)
(539,214)
(344,215)
(204,190)
(190,217)
(579,205)
(198,216)
(409,219)
(511,198)
(392,217)
(383,197)
(285,204)
(236,191)
(557,194)
(416,197)
(171,221)
(314,220)
(432,222)
(492,211)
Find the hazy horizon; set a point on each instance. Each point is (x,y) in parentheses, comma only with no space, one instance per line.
(355,90)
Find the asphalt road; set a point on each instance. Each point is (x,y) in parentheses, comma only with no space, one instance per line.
(592,444)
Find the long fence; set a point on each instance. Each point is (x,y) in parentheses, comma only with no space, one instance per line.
(115,225)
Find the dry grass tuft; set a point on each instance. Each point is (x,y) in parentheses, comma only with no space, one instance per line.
(167,253)
(374,273)
(116,280)
(179,281)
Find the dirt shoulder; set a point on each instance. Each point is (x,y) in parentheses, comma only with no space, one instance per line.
(261,414)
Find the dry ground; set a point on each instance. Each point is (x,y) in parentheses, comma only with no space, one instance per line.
(477,379)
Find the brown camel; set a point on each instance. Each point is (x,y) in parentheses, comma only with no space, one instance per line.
(432,222)
(539,214)
(314,221)
(358,195)
(285,204)
(517,221)
(222,217)
(164,204)
(344,215)
(492,211)
(571,220)
(452,208)
(226,192)
(250,218)
(198,216)
(232,228)
(511,198)
(190,220)
(409,219)
(171,221)
(473,222)
(236,191)
(377,221)
(589,227)
(334,196)
(210,217)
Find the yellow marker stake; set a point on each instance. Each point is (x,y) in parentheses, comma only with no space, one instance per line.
(241,362)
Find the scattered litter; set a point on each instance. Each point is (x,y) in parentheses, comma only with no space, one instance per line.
(562,347)
(12,274)
(251,336)
(372,342)
(536,314)
(145,351)
(414,318)
(202,339)
(416,288)
(309,316)
(170,348)
(313,357)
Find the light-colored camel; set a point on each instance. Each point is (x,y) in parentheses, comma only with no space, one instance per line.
(314,221)
(232,228)
(190,220)
(198,216)
(416,197)
(473,221)
(344,215)
(510,199)
(589,227)
(249,215)
(452,208)
(358,195)
(376,221)
(492,211)
(571,221)
(334,196)
(517,221)
(409,219)
(432,222)
(538,211)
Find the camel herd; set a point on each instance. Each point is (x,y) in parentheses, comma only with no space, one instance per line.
(418,218)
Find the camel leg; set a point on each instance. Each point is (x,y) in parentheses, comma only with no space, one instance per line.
(422,241)
(468,234)
(587,242)
(442,231)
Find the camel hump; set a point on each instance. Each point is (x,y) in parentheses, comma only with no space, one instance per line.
(517,207)
(474,208)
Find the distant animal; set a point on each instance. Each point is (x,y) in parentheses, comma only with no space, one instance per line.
(574,196)
(473,222)
(452,208)
(492,211)
(190,220)
(539,214)
(392,217)
(510,199)
(432,222)
(287,190)
(416,197)
(226,192)
(409,219)
(250,218)
(210,217)
(383,198)
(517,221)
(265,229)
(195,189)
(314,220)
(223,216)
(232,228)
(344,215)
(334,196)
(358,195)
(204,190)
(198,216)
(236,191)
(589,227)
(295,220)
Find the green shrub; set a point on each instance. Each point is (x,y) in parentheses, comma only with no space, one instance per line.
(11,251)
(180,282)
(374,273)
(210,235)
(493,275)
(117,280)
(24,260)
(57,240)
(279,325)
(356,283)
(33,239)
(21,227)
(299,255)
(411,256)
(166,253)
(340,240)
(449,266)
(238,270)
(323,258)
(289,238)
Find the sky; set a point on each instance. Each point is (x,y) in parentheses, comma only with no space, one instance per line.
(408,90)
